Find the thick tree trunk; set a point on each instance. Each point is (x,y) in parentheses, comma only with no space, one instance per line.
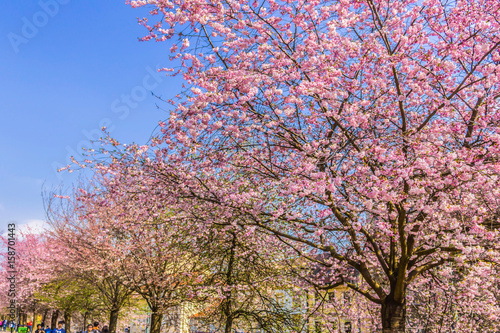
(229,325)
(44,318)
(84,325)
(53,319)
(393,316)
(229,280)
(33,322)
(156,322)
(67,321)
(113,320)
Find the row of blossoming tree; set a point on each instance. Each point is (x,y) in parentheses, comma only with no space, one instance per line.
(367,130)
(355,143)
(104,256)
(115,240)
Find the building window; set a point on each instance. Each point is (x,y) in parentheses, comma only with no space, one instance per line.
(280,299)
(331,297)
(317,298)
(345,298)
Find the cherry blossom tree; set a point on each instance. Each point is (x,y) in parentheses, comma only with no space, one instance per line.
(463,300)
(366,129)
(127,248)
(69,296)
(241,281)
(29,250)
(84,255)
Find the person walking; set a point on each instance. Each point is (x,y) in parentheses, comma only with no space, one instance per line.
(29,325)
(105,329)
(95,329)
(47,329)
(39,329)
(89,329)
(60,328)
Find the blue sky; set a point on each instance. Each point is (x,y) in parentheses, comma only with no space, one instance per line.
(67,68)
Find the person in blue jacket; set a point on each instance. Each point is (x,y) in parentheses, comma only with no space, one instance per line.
(47,329)
(59,328)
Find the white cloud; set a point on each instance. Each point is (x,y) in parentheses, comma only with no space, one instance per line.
(33,226)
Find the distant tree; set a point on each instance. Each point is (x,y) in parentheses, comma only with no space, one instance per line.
(129,251)
(241,282)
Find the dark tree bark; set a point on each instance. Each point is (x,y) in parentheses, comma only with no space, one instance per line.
(156,322)
(85,321)
(228,301)
(67,321)
(33,328)
(229,325)
(53,319)
(113,320)
(393,316)
(44,317)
